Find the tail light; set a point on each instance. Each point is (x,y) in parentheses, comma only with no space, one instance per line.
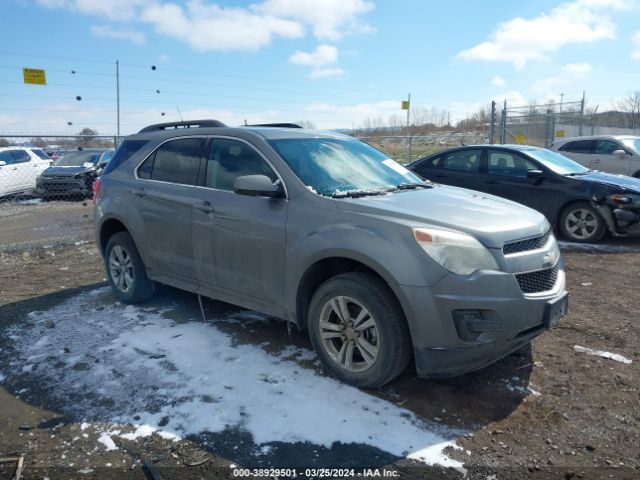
(96,190)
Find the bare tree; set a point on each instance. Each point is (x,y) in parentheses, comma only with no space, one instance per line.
(630,106)
(4,142)
(86,139)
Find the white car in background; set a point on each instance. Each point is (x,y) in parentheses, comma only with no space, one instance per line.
(19,169)
(619,154)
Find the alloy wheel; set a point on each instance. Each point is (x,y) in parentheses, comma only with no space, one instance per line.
(581,223)
(349,334)
(121,268)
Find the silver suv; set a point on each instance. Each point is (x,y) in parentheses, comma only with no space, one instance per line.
(619,154)
(326,232)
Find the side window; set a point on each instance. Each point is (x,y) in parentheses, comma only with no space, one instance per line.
(580,146)
(175,161)
(6,157)
(607,147)
(463,160)
(19,156)
(505,163)
(426,166)
(230,159)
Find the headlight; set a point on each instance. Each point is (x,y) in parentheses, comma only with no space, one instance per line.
(455,251)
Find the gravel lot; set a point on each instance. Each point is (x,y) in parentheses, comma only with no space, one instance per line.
(544,412)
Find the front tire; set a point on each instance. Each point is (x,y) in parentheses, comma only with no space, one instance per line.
(581,223)
(358,330)
(126,273)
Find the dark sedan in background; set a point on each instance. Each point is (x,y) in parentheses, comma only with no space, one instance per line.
(73,173)
(582,204)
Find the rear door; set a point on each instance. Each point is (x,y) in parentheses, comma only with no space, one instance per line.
(164,195)
(605,160)
(239,240)
(460,168)
(581,151)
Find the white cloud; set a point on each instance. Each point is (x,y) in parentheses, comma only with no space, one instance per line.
(107,31)
(498,81)
(329,19)
(207,26)
(122,10)
(522,40)
(322,55)
(513,98)
(326,72)
(210,27)
(577,70)
(635,54)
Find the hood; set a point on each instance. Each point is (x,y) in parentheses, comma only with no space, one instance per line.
(492,220)
(622,181)
(65,171)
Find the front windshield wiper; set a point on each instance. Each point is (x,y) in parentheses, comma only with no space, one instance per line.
(410,186)
(358,193)
(574,174)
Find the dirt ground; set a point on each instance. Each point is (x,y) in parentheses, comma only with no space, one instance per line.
(543,412)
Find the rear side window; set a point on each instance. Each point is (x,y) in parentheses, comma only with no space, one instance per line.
(580,146)
(175,161)
(14,156)
(128,148)
(462,160)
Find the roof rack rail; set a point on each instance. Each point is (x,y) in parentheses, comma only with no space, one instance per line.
(277,125)
(158,127)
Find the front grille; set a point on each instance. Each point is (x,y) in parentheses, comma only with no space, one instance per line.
(539,281)
(524,245)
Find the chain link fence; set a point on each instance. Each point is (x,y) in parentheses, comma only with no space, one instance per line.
(46,188)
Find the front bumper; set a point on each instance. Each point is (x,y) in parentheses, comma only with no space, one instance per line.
(58,187)
(513,319)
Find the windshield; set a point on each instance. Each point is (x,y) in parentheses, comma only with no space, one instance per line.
(556,162)
(107,156)
(336,167)
(632,143)
(77,159)
(41,153)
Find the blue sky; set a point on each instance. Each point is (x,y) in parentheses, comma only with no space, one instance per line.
(332,62)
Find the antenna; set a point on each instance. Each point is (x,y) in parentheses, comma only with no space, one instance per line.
(178,108)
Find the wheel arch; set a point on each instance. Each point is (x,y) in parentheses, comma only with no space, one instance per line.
(108,228)
(328,267)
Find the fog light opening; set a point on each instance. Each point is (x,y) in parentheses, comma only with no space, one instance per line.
(470,324)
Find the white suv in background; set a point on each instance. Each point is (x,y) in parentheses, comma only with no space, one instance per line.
(19,169)
(618,154)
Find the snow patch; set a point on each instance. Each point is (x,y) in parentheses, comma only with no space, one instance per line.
(190,377)
(601,353)
(106,440)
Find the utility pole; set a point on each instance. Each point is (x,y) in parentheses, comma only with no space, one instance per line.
(561,99)
(584,94)
(492,125)
(118,100)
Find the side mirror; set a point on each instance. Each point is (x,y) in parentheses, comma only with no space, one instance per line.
(2,163)
(536,174)
(619,153)
(258,186)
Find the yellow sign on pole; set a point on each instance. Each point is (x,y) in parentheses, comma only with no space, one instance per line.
(560,134)
(405,105)
(521,139)
(34,76)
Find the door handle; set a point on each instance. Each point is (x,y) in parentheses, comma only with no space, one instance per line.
(204,207)
(492,182)
(139,192)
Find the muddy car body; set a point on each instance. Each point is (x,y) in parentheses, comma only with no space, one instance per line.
(378,265)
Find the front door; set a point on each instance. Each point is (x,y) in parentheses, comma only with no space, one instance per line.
(164,196)
(605,160)
(505,176)
(239,240)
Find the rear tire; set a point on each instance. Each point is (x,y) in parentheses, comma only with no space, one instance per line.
(126,273)
(358,330)
(582,223)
